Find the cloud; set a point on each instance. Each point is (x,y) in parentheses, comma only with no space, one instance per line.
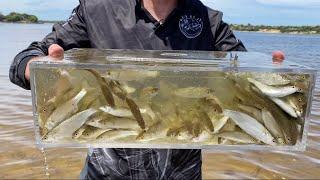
(292,3)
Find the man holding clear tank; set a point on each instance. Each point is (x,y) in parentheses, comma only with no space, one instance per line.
(134,24)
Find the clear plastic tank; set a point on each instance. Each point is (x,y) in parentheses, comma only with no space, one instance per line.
(171,99)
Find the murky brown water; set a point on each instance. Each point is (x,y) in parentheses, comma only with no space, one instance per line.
(19,158)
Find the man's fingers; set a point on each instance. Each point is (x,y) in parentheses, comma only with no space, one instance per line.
(56,52)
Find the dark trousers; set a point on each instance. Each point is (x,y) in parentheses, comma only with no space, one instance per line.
(135,164)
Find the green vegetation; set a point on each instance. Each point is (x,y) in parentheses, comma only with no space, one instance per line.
(17,17)
(278,29)
(1,17)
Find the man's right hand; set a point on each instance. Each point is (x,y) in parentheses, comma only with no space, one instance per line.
(55,53)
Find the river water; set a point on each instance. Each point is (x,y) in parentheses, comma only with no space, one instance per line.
(19,158)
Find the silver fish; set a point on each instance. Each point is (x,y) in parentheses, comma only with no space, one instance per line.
(115,123)
(115,134)
(193,92)
(104,87)
(272,125)
(218,125)
(184,135)
(255,112)
(238,137)
(118,112)
(251,126)
(274,91)
(156,131)
(298,102)
(64,111)
(203,136)
(79,131)
(128,89)
(66,129)
(271,79)
(285,106)
(91,133)
(131,75)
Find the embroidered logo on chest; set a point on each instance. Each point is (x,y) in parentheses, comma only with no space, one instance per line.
(190,26)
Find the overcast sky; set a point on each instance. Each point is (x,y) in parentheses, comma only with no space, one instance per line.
(273,12)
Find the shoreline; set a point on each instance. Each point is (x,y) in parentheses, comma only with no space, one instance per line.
(25,22)
(266,31)
(275,32)
(278,32)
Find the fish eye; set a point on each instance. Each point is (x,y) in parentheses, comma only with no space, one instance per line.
(293,87)
(273,140)
(300,99)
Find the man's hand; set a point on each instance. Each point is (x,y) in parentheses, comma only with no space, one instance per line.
(55,53)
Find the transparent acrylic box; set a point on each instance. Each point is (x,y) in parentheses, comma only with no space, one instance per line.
(167,99)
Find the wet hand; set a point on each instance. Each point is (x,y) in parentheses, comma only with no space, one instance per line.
(55,53)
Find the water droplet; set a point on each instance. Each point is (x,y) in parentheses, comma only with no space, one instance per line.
(45,163)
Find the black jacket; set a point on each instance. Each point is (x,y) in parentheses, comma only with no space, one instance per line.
(125,24)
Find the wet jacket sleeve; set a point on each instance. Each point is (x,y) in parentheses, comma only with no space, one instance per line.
(225,39)
(68,35)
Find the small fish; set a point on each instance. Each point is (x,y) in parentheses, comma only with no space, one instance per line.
(203,136)
(272,125)
(175,130)
(213,140)
(229,126)
(79,131)
(225,141)
(271,79)
(274,91)
(92,133)
(298,102)
(115,134)
(66,129)
(156,131)
(131,75)
(149,91)
(193,92)
(52,104)
(118,112)
(214,103)
(64,111)
(238,137)
(218,125)
(255,112)
(115,123)
(116,88)
(128,89)
(136,113)
(285,106)
(297,77)
(206,120)
(104,87)
(251,126)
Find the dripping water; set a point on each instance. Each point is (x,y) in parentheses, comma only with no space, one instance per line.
(45,164)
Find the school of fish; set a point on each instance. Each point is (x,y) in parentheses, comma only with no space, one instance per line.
(89,106)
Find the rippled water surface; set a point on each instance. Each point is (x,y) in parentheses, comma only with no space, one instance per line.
(19,158)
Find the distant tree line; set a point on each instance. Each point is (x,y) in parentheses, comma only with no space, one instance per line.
(18,17)
(282,29)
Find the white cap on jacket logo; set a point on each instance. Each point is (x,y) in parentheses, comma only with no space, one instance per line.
(190,26)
